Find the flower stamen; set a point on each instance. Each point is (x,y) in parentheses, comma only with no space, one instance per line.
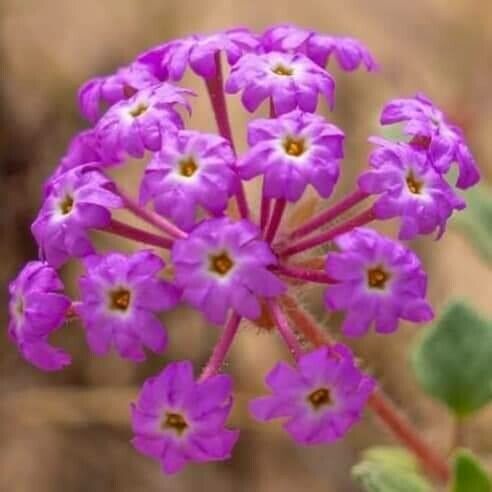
(377,278)
(66,205)
(139,109)
(320,398)
(282,70)
(221,263)
(294,146)
(120,299)
(175,422)
(187,167)
(414,185)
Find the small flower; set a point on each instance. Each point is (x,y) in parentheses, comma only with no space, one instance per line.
(113,88)
(38,308)
(321,399)
(142,121)
(379,280)
(222,265)
(410,188)
(428,125)
(290,80)
(199,52)
(77,201)
(121,296)
(291,152)
(177,420)
(193,169)
(350,53)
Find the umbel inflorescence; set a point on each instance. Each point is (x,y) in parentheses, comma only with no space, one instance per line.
(230,261)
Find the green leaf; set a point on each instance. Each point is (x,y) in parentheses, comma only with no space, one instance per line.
(476,220)
(387,469)
(453,361)
(469,475)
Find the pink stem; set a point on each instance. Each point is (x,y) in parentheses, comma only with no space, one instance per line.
(222,347)
(215,88)
(284,329)
(265,211)
(152,218)
(278,212)
(135,234)
(358,220)
(304,274)
(329,214)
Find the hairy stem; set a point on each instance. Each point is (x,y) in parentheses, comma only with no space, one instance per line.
(265,211)
(312,242)
(277,214)
(284,329)
(129,232)
(222,347)
(304,274)
(152,218)
(215,88)
(328,215)
(434,464)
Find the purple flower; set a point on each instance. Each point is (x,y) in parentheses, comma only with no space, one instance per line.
(193,169)
(321,399)
(177,420)
(113,88)
(120,297)
(142,121)
(350,53)
(445,142)
(290,80)
(291,152)
(410,188)
(379,280)
(77,201)
(37,308)
(199,52)
(222,265)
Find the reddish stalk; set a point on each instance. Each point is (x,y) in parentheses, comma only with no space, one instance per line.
(222,347)
(309,243)
(304,274)
(284,329)
(328,215)
(434,464)
(215,88)
(277,214)
(265,211)
(129,232)
(152,218)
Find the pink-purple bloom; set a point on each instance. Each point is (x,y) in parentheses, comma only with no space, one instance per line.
(410,188)
(177,420)
(431,130)
(106,91)
(200,52)
(37,308)
(142,122)
(350,53)
(76,201)
(378,281)
(121,296)
(292,151)
(320,399)
(192,170)
(222,265)
(290,80)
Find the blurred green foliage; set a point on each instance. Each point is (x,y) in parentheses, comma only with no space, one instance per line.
(453,360)
(469,475)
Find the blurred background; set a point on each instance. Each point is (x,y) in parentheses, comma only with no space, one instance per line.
(70,431)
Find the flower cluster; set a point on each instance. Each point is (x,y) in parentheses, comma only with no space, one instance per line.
(202,244)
